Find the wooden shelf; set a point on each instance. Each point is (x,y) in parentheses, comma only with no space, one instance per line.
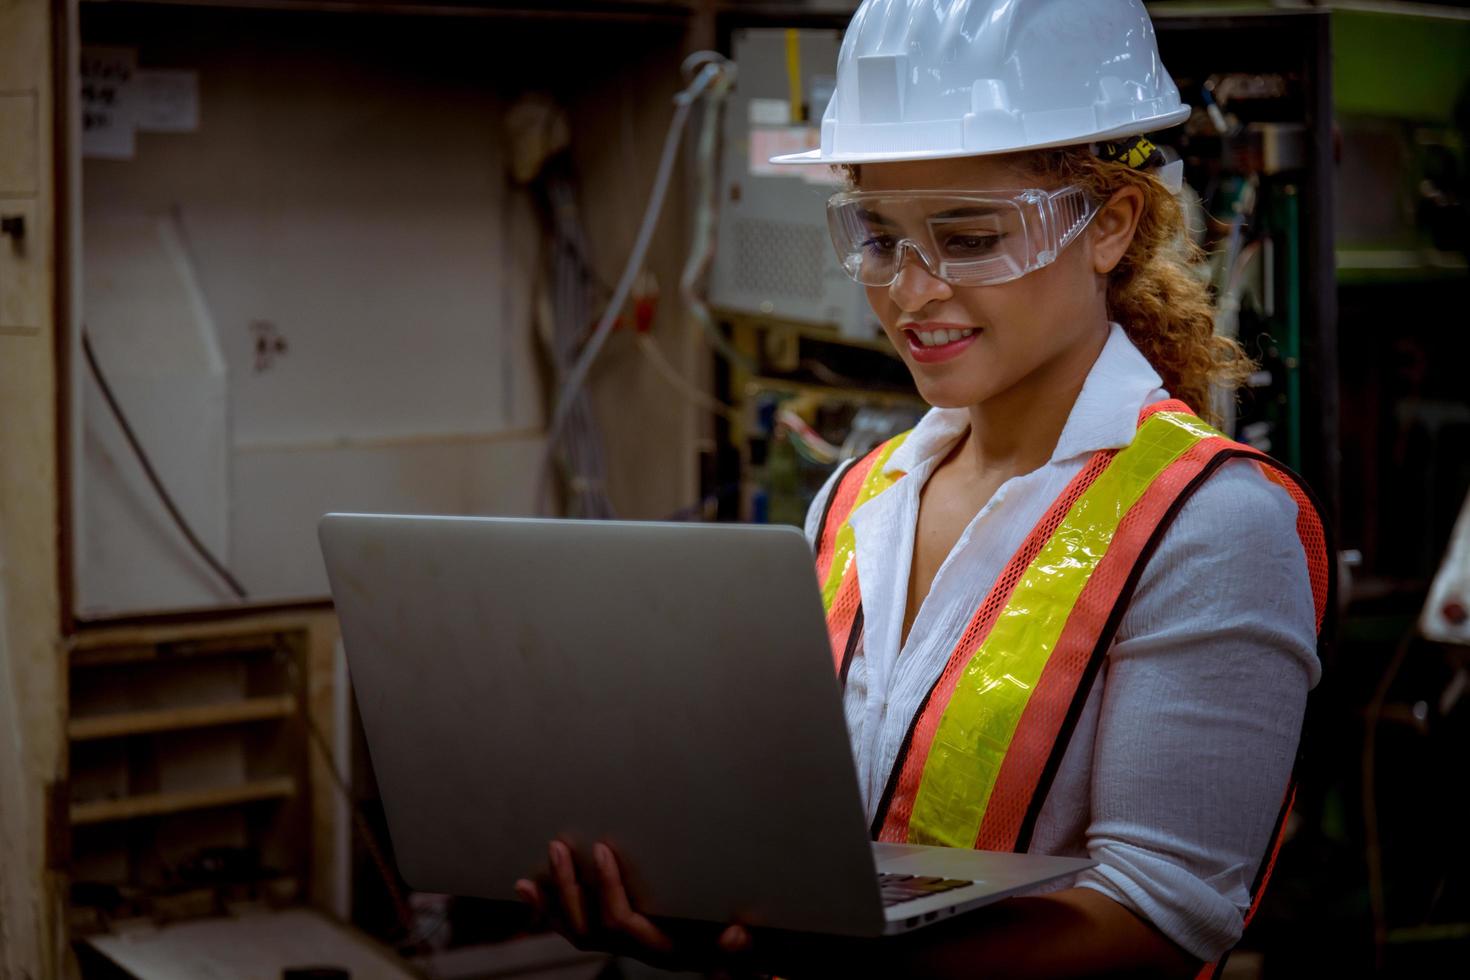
(172,719)
(157,804)
(102,642)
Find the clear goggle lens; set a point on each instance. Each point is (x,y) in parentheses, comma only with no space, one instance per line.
(971,238)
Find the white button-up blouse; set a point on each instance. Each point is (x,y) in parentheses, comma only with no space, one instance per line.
(1175,773)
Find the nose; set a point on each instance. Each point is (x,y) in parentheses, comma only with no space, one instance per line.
(915,286)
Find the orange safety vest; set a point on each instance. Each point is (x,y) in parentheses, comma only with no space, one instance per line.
(982,750)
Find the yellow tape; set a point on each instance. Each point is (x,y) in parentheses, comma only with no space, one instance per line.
(793,75)
(844,548)
(982,714)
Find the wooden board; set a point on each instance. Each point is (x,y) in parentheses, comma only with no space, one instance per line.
(251,945)
(171,719)
(153,804)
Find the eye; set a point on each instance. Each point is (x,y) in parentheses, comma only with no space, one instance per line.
(970,246)
(880,245)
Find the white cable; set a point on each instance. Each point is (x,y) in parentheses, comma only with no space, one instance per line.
(706,224)
(676,381)
(580,449)
(712,68)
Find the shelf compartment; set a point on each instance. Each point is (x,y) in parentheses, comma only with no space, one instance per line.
(121,724)
(156,804)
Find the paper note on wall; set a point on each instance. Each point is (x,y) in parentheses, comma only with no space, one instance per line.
(770,141)
(120,100)
(107,109)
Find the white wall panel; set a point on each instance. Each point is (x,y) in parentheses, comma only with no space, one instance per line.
(349,200)
(155,342)
(282,494)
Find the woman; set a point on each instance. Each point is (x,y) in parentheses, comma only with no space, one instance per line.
(1086,623)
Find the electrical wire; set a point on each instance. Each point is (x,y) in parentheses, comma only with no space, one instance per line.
(675,380)
(574,379)
(573,293)
(164,496)
(704,237)
(807,440)
(401,909)
(1374,847)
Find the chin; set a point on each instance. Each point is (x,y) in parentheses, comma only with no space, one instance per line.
(952,392)
(958,384)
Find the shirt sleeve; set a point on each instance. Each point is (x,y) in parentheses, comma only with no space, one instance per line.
(1201,714)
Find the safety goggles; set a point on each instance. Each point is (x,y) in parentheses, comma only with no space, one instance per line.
(966,238)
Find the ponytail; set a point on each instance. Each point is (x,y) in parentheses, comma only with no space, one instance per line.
(1165,309)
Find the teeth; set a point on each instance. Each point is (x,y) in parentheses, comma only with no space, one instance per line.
(938,338)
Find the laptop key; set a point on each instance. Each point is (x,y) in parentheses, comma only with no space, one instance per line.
(897,889)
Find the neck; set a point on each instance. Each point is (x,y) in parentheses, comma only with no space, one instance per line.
(1017,430)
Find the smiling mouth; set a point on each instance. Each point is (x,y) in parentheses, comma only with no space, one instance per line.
(939,338)
(937,343)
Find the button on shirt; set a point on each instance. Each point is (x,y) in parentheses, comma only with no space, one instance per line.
(1176,771)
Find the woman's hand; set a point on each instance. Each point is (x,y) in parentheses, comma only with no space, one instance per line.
(601,917)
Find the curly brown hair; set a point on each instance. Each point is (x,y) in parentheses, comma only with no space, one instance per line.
(1165,309)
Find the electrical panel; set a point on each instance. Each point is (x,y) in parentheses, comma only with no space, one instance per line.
(774,257)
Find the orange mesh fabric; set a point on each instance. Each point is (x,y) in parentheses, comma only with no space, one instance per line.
(840,506)
(848,601)
(1314,536)
(1040,728)
(900,807)
(1170,405)
(842,616)
(1270,868)
(1036,734)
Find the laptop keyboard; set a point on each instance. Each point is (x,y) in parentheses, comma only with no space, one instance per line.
(898,889)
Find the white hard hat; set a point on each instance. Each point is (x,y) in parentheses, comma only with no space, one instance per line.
(926,79)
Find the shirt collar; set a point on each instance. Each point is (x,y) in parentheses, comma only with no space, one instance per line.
(1105,415)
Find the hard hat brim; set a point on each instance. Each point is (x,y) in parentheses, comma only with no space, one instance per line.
(902,156)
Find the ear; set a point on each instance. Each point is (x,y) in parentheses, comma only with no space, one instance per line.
(1113,228)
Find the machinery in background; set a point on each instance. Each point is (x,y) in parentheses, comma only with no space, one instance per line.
(801,405)
(1246,156)
(815,383)
(802,433)
(1402,95)
(773,258)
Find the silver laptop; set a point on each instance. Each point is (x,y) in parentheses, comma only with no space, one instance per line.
(667,688)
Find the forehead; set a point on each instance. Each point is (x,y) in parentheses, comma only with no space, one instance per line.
(959,173)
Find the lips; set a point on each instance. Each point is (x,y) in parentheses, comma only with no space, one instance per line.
(930,343)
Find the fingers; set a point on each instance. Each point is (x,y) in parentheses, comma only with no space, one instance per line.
(562,901)
(735,940)
(564,874)
(527,892)
(617,911)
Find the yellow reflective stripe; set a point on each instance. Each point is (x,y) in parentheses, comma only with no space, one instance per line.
(845,546)
(982,714)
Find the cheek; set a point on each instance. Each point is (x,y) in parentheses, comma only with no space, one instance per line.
(882,305)
(1050,305)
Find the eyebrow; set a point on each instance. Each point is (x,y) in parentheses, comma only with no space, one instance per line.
(971,212)
(874,218)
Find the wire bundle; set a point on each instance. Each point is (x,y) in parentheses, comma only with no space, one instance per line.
(711,68)
(573,295)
